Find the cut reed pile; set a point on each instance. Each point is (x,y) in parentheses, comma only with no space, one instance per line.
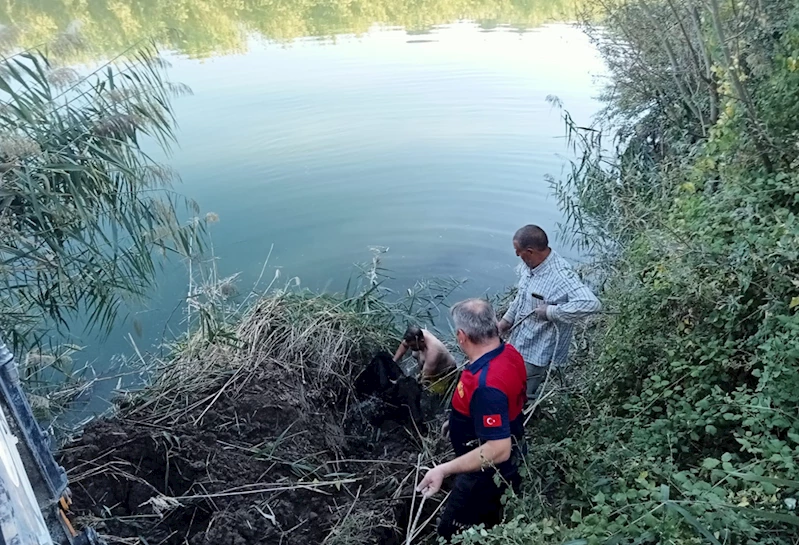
(318,342)
(259,437)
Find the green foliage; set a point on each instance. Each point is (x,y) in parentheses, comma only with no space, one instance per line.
(84,212)
(688,431)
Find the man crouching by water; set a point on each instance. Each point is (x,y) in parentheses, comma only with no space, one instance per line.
(433,357)
(485,425)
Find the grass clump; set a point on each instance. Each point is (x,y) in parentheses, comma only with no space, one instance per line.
(257,433)
(321,341)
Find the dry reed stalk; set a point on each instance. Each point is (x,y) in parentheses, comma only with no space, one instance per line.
(398,492)
(264,488)
(421,528)
(112,469)
(346,516)
(412,529)
(161,503)
(216,397)
(413,496)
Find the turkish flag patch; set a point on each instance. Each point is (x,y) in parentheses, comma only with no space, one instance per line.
(492,421)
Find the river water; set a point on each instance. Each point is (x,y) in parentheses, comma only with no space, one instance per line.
(319,134)
(435,149)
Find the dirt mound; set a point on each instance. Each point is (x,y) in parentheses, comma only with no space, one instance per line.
(251,472)
(257,451)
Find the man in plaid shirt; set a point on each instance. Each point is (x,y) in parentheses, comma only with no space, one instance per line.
(550,300)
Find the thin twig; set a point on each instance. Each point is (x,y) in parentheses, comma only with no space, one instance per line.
(264,489)
(218,394)
(349,511)
(413,497)
(412,529)
(435,512)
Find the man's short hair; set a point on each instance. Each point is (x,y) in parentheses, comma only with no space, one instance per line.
(477,319)
(532,236)
(413,334)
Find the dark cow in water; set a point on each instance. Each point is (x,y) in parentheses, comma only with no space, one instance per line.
(401,394)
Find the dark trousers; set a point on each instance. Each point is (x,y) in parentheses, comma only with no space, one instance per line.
(536,376)
(474,499)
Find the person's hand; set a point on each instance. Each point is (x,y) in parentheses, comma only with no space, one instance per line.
(503,326)
(541,311)
(445,429)
(432,481)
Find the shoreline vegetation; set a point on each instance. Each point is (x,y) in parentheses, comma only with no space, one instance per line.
(259,435)
(680,423)
(678,418)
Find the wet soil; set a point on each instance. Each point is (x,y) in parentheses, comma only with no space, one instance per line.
(263,463)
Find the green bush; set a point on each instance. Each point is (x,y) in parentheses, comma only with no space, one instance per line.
(85,214)
(688,430)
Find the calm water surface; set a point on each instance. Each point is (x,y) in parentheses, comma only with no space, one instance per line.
(436,149)
(433,141)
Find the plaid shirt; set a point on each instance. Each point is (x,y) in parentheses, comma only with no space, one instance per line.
(555,282)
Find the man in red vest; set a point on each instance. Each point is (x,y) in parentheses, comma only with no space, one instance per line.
(485,425)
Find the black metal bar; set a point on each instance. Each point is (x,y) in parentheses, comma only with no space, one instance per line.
(37,441)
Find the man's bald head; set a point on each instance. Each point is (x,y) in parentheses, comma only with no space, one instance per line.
(531,237)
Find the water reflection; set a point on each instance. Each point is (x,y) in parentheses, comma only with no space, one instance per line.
(202,28)
(419,131)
